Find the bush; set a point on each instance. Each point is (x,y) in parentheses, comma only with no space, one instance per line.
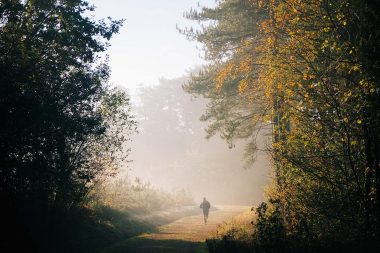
(234,236)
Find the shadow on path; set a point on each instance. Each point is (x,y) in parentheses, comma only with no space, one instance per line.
(147,245)
(185,235)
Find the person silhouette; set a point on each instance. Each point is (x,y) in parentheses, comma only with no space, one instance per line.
(205,205)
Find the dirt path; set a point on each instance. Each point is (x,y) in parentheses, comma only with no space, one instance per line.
(186,235)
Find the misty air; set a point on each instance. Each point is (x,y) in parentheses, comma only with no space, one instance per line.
(210,126)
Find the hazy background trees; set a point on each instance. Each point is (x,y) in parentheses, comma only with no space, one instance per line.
(171,150)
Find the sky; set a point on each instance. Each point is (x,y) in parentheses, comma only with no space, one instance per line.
(149,46)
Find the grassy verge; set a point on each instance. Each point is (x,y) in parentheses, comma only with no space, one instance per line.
(234,236)
(93,230)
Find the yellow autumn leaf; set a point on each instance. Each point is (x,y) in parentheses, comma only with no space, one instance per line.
(243,85)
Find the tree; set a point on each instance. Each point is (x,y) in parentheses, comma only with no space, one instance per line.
(301,65)
(236,108)
(54,99)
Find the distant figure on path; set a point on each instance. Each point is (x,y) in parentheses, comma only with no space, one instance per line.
(205,205)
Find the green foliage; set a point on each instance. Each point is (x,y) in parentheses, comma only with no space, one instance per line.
(270,232)
(62,126)
(229,38)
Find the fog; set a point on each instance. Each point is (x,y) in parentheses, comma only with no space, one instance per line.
(171,151)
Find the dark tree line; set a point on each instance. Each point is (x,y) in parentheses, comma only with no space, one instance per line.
(61,124)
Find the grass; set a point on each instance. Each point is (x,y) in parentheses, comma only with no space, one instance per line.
(99,229)
(92,230)
(185,235)
(239,228)
(233,236)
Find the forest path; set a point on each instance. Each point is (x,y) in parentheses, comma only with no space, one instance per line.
(185,235)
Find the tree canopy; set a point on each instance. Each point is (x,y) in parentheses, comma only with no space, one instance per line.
(310,70)
(61,122)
